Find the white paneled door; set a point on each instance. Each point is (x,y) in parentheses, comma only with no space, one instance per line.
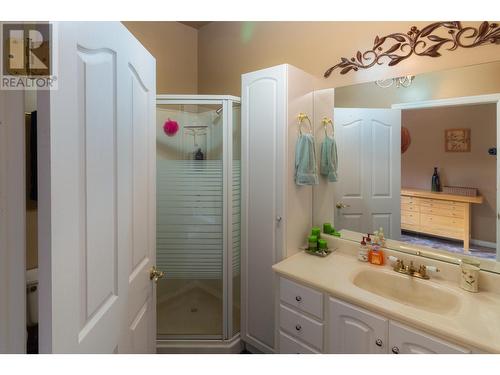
(368,190)
(97,194)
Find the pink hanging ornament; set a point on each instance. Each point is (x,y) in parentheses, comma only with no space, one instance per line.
(170,127)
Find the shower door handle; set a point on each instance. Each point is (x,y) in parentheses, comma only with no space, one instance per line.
(155,274)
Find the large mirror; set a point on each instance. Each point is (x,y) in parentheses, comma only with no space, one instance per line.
(417,157)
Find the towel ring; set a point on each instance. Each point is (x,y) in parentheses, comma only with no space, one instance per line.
(325,123)
(301,117)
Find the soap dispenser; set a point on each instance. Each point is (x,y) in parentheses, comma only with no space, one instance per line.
(363,251)
(376,256)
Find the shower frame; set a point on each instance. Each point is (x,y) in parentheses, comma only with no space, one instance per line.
(229,337)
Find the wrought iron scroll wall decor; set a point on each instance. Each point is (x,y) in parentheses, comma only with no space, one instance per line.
(397,47)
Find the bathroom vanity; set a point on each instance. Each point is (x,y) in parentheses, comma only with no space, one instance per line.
(340,305)
(438,214)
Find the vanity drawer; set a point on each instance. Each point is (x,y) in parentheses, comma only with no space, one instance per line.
(289,345)
(408,217)
(306,329)
(302,297)
(442,210)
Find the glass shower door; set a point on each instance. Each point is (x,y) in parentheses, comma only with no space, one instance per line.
(190,230)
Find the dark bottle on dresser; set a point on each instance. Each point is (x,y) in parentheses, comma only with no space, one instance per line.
(436,183)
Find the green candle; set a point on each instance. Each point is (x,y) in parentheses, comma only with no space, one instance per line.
(316,231)
(327,228)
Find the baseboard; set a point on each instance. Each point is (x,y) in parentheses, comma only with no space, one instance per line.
(252,349)
(492,245)
(234,346)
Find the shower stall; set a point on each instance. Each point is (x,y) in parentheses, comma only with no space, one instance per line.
(198,142)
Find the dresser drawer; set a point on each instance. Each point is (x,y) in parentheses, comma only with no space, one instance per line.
(300,326)
(409,217)
(289,345)
(302,297)
(441,203)
(412,207)
(406,199)
(441,221)
(442,210)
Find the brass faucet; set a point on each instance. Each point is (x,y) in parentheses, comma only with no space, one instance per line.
(410,269)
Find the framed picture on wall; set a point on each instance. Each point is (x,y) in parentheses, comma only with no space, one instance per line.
(457,140)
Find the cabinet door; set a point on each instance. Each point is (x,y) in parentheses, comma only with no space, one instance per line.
(353,330)
(263,119)
(405,340)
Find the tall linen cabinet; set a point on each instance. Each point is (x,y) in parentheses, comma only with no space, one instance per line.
(276,214)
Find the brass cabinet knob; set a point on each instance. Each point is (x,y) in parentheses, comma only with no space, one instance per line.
(155,274)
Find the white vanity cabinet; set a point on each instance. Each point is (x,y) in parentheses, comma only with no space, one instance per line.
(301,326)
(406,340)
(353,330)
(313,322)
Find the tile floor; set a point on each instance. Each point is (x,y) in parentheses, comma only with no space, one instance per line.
(446,244)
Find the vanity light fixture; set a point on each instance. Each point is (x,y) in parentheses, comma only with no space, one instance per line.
(403,81)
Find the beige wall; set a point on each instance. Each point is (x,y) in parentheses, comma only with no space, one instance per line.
(471,169)
(175,47)
(472,80)
(228,49)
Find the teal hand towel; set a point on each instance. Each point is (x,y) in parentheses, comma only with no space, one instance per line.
(305,161)
(329,159)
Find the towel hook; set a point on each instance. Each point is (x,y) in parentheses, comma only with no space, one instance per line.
(325,123)
(301,117)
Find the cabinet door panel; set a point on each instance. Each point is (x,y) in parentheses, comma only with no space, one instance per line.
(356,331)
(405,340)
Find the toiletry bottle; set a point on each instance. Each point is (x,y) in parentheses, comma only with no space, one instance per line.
(368,245)
(436,184)
(376,255)
(363,251)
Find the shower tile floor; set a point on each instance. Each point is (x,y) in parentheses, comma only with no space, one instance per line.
(194,312)
(449,245)
(195,309)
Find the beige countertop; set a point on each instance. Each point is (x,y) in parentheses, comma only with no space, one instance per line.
(476,323)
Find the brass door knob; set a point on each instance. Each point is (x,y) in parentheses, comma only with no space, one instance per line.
(341,205)
(155,274)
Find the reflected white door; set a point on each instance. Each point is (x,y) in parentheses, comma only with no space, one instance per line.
(97,194)
(367,195)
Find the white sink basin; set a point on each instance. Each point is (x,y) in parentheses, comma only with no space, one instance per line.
(407,290)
